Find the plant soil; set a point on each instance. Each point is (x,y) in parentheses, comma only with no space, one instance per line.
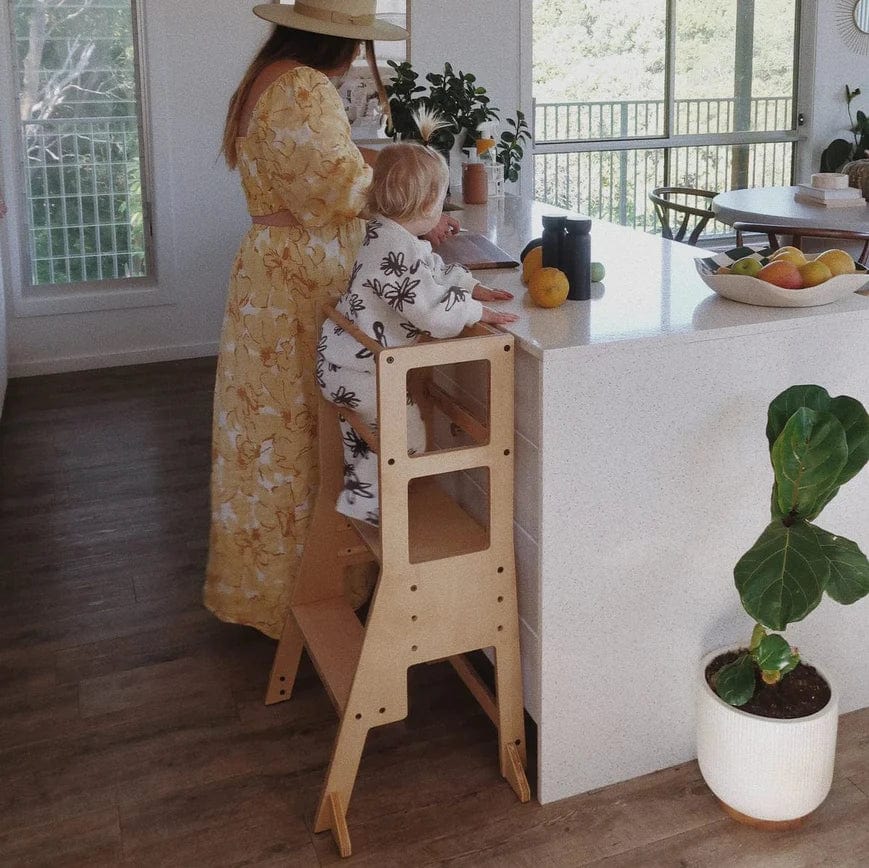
(799,693)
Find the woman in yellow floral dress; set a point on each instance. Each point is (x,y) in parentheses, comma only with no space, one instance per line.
(304,180)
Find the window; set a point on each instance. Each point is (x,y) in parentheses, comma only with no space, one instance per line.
(358,90)
(634,94)
(82,141)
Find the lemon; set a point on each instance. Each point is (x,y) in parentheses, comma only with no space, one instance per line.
(548,287)
(532,262)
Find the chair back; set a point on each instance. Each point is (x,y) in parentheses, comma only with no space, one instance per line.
(797,234)
(679,207)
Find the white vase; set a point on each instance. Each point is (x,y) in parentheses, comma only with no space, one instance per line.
(765,769)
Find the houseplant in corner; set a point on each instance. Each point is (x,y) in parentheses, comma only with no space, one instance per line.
(766,727)
(840,152)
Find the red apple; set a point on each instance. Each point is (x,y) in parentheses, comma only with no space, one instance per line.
(781,273)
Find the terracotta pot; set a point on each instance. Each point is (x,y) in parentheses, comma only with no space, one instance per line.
(858,176)
(763,770)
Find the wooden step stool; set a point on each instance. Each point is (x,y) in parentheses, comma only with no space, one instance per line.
(446,586)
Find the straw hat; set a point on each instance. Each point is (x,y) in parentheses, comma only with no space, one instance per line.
(353,19)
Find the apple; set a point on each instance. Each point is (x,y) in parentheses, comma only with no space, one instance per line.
(814,273)
(748,266)
(838,261)
(781,273)
(789,254)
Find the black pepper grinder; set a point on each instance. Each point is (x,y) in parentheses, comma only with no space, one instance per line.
(553,239)
(576,257)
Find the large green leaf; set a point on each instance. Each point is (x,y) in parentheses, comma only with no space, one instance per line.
(849,568)
(807,458)
(783,406)
(855,420)
(734,683)
(773,654)
(782,577)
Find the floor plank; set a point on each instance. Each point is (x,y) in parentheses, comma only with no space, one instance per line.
(132,727)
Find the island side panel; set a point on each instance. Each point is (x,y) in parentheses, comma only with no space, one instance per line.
(656,478)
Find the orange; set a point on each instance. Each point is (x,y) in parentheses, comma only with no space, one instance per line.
(532,262)
(548,287)
(838,261)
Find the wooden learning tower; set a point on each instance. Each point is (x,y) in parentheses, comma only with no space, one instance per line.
(447,585)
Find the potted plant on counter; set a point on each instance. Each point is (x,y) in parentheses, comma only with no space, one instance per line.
(767,721)
(454,106)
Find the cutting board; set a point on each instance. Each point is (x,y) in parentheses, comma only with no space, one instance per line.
(474,251)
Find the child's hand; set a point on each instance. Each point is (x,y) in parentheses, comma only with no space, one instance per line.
(496,317)
(487,293)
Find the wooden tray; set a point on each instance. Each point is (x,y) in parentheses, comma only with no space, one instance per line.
(474,251)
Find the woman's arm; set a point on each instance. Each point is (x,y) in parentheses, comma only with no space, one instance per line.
(369,155)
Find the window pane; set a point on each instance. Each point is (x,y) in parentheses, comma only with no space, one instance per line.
(734,69)
(599,69)
(76,63)
(607,185)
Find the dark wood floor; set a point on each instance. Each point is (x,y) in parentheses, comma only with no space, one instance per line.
(132,729)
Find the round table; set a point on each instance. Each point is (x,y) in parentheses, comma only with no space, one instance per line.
(776,205)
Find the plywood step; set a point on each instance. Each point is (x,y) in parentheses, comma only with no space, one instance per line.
(333,636)
(439,527)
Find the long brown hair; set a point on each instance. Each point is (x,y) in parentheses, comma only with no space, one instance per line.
(316,50)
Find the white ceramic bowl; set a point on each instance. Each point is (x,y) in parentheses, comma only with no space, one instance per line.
(750,290)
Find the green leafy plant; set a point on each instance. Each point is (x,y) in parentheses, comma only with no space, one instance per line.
(817,443)
(458,100)
(840,151)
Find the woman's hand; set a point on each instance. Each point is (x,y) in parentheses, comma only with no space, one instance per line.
(445,227)
(488,293)
(497,317)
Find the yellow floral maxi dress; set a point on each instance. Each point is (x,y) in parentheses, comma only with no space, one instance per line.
(297,157)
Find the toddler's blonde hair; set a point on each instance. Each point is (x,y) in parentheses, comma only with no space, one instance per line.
(409,180)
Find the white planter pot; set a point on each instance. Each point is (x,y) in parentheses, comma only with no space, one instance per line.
(775,771)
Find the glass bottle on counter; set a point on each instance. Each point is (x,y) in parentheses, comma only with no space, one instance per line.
(475,181)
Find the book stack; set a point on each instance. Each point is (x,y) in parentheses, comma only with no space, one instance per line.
(847,197)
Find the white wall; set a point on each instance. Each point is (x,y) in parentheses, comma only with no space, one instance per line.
(195,61)
(835,66)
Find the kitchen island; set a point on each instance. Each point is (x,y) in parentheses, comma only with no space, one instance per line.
(642,475)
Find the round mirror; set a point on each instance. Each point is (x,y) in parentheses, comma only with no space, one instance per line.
(861,15)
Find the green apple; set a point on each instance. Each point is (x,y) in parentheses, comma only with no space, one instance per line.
(748,266)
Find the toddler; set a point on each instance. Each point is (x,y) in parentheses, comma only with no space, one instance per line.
(398,291)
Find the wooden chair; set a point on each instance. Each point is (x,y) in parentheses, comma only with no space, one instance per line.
(447,584)
(672,204)
(797,235)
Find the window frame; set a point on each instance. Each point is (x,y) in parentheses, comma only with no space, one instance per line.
(31,299)
(667,141)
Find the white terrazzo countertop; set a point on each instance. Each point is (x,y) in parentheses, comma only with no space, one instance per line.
(651,292)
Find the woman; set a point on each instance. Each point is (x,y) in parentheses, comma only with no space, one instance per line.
(304,180)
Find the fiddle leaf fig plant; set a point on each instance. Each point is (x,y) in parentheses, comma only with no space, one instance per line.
(817,444)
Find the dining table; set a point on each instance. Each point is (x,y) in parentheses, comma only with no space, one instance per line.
(777,205)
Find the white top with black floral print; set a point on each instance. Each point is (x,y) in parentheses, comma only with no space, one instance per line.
(399,289)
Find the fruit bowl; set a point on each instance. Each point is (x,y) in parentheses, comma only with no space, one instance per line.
(751,290)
